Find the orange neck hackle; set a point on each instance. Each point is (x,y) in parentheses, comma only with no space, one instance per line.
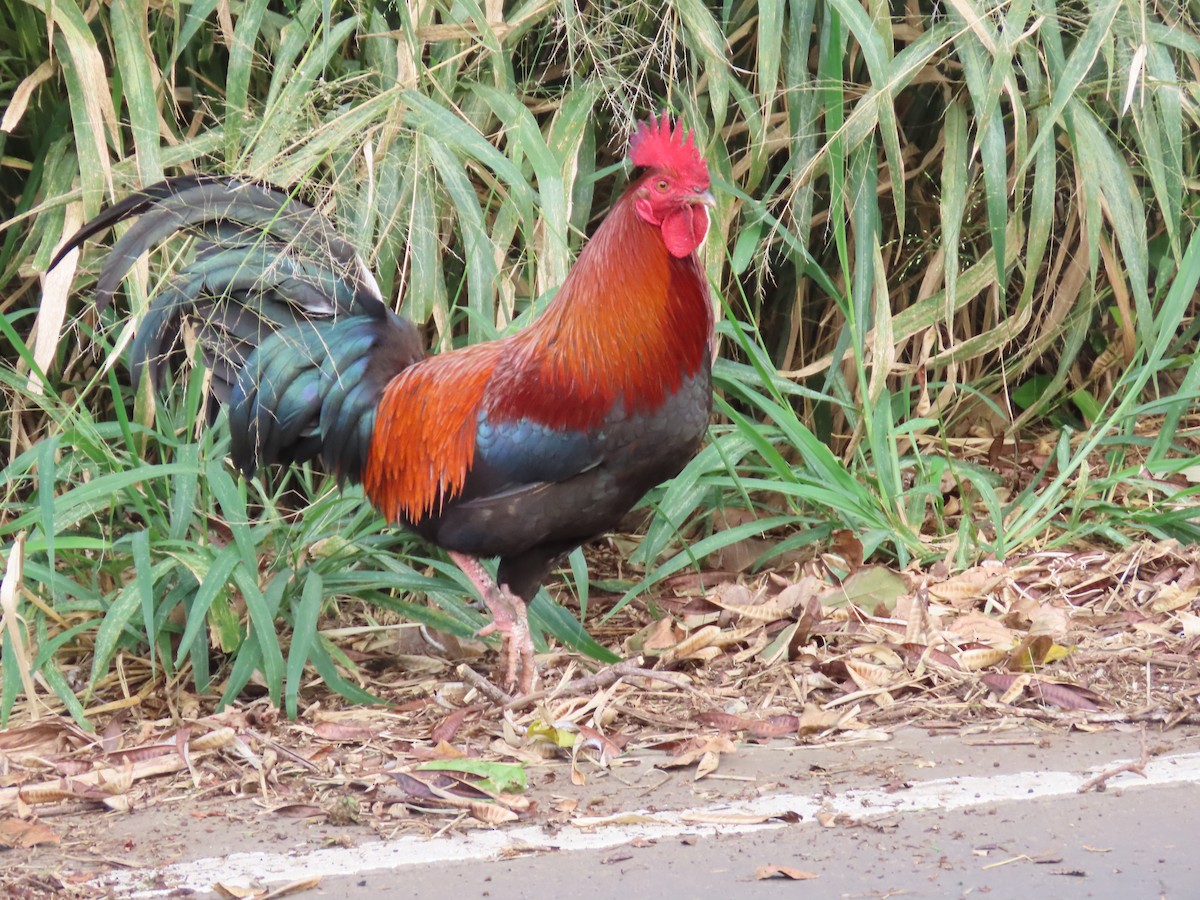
(632,322)
(629,324)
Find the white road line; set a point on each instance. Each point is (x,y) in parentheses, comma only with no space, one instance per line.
(242,869)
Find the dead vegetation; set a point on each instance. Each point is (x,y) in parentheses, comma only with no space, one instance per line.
(832,651)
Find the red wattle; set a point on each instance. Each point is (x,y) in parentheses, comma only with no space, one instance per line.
(684,230)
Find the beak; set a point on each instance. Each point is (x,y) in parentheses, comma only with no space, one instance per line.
(704,198)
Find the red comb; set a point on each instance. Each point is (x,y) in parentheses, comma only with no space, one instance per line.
(657,145)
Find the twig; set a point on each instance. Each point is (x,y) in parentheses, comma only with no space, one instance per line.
(1100,782)
(1005,862)
(1009,742)
(93,858)
(70,809)
(630,668)
(283,751)
(478,681)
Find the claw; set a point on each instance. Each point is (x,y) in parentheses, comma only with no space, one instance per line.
(510,620)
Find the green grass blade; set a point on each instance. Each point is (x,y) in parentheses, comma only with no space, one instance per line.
(304,633)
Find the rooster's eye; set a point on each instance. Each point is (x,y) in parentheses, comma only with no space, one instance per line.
(662,184)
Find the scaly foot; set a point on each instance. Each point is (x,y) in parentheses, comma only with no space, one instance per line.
(509,618)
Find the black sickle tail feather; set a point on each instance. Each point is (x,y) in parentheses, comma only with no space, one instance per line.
(289,319)
(313,389)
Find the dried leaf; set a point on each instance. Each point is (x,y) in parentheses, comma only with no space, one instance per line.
(727,638)
(980,658)
(814,719)
(1009,687)
(1049,621)
(722,721)
(1062,695)
(344,730)
(41,739)
(773,871)
(491,814)
(983,629)
(110,739)
(142,754)
(776,726)
(19,99)
(72,767)
(21,833)
(869,676)
(704,654)
(10,618)
(1056,653)
(56,294)
(696,749)
(731,595)
(238,892)
(917,654)
(445,730)
(799,594)
(414,787)
(618,819)
(119,802)
(1190,623)
(963,590)
(849,548)
(1171,597)
(696,641)
(440,750)
(1031,653)
(590,737)
(707,765)
(655,637)
(298,811)
(828,818)
(809,621)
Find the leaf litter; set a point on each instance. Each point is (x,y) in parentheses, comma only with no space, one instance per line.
(831,651)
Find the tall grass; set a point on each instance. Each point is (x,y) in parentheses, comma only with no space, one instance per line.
(942,230)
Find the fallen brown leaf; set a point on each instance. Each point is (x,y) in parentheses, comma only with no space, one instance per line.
(696,749)
(21,833)
(1061,695)
(774,871)
(344,731)
(445,730)
(298,811)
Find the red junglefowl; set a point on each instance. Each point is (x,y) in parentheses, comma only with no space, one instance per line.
(523,447)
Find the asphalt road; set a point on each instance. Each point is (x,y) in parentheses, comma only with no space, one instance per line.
(995,814)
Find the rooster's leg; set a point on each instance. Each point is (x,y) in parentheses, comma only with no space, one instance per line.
(509,617)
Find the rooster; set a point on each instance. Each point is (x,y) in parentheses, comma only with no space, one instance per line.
(521,448)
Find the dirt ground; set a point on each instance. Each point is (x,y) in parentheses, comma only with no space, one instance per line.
(811,685)
(1127,841)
